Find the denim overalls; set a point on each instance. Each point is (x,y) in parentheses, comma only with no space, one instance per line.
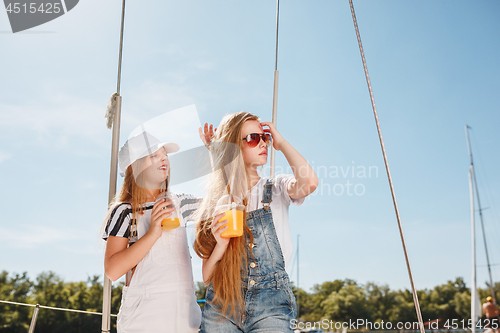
(269,301)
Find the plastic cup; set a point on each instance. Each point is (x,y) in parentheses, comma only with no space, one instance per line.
(234,214)
(172,221)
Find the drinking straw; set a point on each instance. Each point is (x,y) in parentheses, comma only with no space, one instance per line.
(232,188)
(223,170)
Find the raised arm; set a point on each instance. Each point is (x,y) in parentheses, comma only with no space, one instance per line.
(206,134)
(306,179)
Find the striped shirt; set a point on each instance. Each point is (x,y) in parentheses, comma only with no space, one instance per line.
(120,220)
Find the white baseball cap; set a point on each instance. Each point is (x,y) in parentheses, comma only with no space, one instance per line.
(139,146)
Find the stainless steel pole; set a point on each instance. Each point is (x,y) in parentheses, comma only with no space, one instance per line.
(473,236)
(34,318)
(275,90)
(106,297)
(298,288)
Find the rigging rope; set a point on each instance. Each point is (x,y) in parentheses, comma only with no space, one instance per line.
(111,109)
(414,292)
(474,181)
(54,308)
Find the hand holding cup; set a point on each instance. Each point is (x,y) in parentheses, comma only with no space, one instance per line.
(160,212)
(172,220)
(218,227)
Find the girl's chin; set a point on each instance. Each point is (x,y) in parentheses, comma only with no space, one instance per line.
(256,164)
(158,183)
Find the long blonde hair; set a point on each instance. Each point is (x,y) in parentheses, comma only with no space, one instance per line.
(229,177)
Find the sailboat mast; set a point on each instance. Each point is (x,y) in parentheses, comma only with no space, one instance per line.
(106,291)
(473,233)
(473,172)
(484,236)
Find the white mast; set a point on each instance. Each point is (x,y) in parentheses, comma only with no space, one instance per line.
(116,115)
(473,289)
(473,170)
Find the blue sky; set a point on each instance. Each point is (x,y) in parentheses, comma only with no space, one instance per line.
(433,66)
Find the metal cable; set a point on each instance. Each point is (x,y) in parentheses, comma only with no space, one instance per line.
(121,48)
(473,169)
(277,26)
(489,198)
(275,90)
(54,308)
(414,292)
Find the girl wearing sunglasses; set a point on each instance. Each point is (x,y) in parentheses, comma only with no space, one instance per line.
(248,287)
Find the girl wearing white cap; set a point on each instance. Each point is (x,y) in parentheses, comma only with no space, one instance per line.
(159,293)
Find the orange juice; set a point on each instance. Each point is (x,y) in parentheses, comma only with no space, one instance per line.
(234,219)
(170,223)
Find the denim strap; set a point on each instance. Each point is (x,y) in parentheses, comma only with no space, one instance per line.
(267,197)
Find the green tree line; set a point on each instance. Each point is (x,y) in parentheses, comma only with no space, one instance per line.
(338,300)
(50,290)
(344,300)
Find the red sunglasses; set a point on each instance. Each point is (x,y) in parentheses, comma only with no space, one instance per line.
(253,139)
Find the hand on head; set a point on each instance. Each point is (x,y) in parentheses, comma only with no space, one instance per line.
(277,138)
